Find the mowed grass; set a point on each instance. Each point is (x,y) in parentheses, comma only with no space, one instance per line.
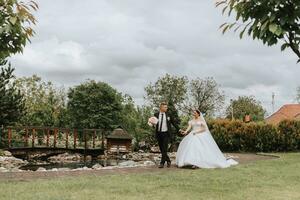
(269,179)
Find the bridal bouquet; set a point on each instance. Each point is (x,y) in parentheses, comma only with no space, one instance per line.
(152,121)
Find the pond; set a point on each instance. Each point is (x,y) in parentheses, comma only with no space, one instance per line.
(33,166)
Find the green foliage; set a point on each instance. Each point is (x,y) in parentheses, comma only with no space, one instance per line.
(94,105)
(204,94)
(15,26)
(267,20)
(11,100)
(256,137)
(246,105)
(45,105)
(170,89)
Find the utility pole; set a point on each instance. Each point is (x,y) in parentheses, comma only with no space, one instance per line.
(273,102)
(231,102)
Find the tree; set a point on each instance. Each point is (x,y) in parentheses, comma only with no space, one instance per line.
(269,21)
(45,105)
(11,99)
(171,89)
(94,105)
(16,22)
(204,94)
(245,105)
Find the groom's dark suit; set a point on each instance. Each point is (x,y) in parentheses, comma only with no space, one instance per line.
(164,136)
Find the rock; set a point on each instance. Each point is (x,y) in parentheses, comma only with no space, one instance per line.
(86,168)
(141,151)
(97,166)
(63,169)
(110,167)
(41,169)
(154,149)
(54,169)
(11,162)
(16,170)
(7,154)
(148,163)
(3,169)
(66,158)
(128,163)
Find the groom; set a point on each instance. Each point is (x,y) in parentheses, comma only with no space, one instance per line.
(163,131)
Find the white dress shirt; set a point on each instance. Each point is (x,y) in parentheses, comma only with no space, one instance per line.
(164,126)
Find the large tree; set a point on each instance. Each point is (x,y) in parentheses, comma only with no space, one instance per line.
(205,95)
(11,99)
(245,105)
(94,105)
(270,21)
(44,103)
(16,21)
(170,89)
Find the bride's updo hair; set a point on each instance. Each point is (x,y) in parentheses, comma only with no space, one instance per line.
(198,111)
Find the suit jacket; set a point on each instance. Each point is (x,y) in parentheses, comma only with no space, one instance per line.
(170,122)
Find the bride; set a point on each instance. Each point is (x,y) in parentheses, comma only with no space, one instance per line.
(199,149)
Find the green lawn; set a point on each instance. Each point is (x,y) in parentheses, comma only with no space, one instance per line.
(270,179)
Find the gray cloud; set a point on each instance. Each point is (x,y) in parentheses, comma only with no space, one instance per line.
(131,43)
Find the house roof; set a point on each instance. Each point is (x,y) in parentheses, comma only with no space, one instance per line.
(119,133)
(288,111)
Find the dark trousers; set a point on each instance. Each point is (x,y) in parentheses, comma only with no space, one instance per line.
(163,141)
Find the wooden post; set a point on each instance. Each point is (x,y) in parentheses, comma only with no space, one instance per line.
(55,138)
(85,139)
(33,138)
(102,139)
(9,137)
(26,137)
(67,138)
(94,138)
(75,137)
(85,144)
(48,136)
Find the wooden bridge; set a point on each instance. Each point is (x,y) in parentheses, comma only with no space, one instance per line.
(48,141)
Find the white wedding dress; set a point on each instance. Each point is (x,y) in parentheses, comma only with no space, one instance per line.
(201,150)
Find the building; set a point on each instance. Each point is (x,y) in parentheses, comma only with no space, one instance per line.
(119,141)
(288,111)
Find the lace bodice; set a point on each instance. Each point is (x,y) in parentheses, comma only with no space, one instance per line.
(197,124)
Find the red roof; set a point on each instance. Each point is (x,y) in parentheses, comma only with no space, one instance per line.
(288,111)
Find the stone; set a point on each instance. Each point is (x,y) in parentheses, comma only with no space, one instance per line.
(141,151)
(54,169)
(7,154)
(41,169)
(110,167)
(128,163)
(86,168)
(3,169)
(63,169)
(154,149)
(149,163)
(16,170)
(97,166)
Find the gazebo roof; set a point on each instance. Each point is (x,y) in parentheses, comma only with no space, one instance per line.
(119,133)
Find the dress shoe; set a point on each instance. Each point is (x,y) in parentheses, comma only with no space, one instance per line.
(169,164)
(161,166)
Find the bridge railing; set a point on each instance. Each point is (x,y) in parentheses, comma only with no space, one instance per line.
(33,136)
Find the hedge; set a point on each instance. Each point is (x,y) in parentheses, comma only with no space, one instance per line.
(238,136)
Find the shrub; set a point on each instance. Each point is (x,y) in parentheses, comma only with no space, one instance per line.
(256,137)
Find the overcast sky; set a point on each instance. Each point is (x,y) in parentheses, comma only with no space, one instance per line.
(129,43)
